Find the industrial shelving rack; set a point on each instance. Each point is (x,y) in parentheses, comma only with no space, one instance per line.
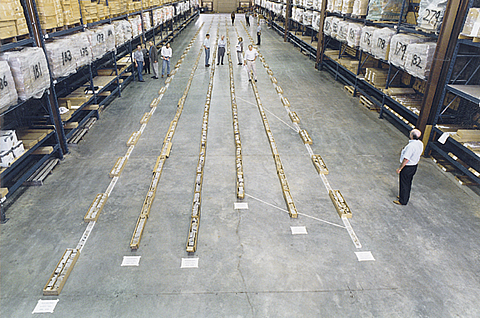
(403,118)
(48,116)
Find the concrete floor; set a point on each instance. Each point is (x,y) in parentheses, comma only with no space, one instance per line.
(426,254)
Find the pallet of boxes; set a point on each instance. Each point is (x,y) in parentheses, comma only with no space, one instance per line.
(12,21)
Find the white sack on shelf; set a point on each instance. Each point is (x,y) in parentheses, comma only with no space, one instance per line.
(60,56)
(366,40)
(327,27)
(419,58)
(381,43)
(81,49)
(342,31)
(430,14)
(335,27)
(8,93)
(398,47)
(360,7)
(30,71)
(109,31)
(354,34)
(96,37)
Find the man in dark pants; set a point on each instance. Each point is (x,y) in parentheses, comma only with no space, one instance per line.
(139,62)
(259,32)
(233,17)
(247,18)
(409,159)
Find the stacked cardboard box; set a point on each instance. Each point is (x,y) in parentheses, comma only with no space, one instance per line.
(50,13)
(71,12)
(89,10)
(12,19)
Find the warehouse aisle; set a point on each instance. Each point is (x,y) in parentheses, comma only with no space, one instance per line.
(249,263)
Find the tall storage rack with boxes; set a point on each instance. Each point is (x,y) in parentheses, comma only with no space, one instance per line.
(383,52)
(54,87)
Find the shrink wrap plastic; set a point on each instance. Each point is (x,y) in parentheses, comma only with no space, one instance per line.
(335,27)
(330,5)
(342,31)
(381,43)
(81,50)
(384,9)
(366,40)
(136,24)
(123,31)
(360,7)
(430,14)
(308,17)
(8,93)
(419,58)
(316,21)
(158,16)
(337,5)
(354,34)
(398,47)
(30,71)
(109,30)
(61,57)
(472,23)
(97,37)
(147,25)
(327,28)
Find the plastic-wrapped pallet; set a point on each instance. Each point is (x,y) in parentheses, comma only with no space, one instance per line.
(60,56)
(109,31)
(472,23)
(384,10)
(97,38)
(381,43)
(347,6)
(316,20)
(81,50)
(146,21)
(360,8)
(30,71)
(136,24)
(337,6)
(307,17)
(335,27)
(419,58)
(327,27)
(8,93)
(308,3)
(342,31)
(330,5)
(354,34)
(398,47)
(430,14)
(366,40)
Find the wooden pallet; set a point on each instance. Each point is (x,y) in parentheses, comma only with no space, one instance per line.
(467,37)
(37,178)
(61,28)
(367,103)
(14,39)
(349,89)
(465,180)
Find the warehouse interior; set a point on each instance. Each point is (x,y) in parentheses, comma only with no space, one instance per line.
(206,193)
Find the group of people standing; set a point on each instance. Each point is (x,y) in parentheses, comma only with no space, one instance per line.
(145,58)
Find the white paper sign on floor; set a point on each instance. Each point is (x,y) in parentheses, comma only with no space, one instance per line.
(364,256)
(240,206)
(131,261)
(298,230)
(45,306)
(189,263)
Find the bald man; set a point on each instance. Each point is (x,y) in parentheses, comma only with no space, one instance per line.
(409,159)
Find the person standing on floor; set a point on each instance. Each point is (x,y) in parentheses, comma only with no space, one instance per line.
(250,57)
(239,48)
(233,17)
(166,56)
(409,159)
(247,18)
(206,45)
(154,59)
(259,32)
(139,62)
(221,49)
(146,59)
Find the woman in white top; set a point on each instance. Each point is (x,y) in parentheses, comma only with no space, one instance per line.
(239,48)
(166,56)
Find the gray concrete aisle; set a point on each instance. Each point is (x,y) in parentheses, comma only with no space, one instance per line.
(250,265)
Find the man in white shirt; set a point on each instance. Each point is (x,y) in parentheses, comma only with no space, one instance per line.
(259,32)
(409,159)
(166,56)
(250,57)
(221,49)
(206,45)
